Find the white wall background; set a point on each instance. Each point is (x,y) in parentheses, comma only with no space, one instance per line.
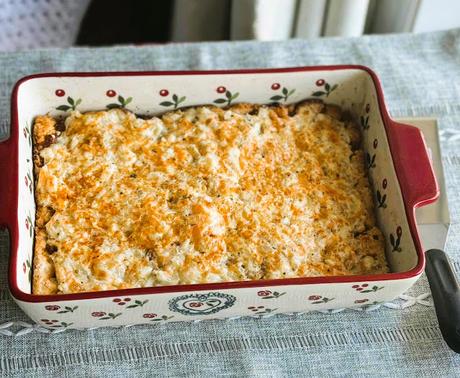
(283,19)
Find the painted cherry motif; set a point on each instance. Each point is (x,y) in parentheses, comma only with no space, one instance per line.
(196,304)
(26,266)
(364,122)
(320,82)
(370,160)
(49,322)
(382,198)
(361,301)
(28,181)
(121,104)
(261,310)
(364,288)
(360,287)
(71,104)
(59,92)
(98,314)
(55,323)
(327,90)
(162,318)
(317,299)
(52,307)
(268,294)
(396,242)
(368,108)
(264,293)
(111,93)
(120,301)
(29,225)
(149,316)
(175,99)
(229,96)
(376,143)
(27,135)
(285,93)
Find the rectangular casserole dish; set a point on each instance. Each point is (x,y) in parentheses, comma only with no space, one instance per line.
(398,163)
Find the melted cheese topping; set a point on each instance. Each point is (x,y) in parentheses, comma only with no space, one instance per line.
(206,195)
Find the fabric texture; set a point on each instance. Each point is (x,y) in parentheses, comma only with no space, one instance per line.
(28,24)
(420,76)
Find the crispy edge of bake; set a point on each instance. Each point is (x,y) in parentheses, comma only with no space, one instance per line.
(46,129)
(44,279)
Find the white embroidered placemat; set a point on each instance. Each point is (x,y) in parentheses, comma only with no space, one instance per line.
(421,77)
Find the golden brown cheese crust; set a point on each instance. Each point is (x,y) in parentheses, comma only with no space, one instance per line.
(201,195)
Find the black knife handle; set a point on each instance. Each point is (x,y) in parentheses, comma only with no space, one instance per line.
(446,296)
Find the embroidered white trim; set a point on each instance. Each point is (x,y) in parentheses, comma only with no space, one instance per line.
(449,135)
(402,302)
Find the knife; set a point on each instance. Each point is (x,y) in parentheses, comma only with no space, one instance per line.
(433,224)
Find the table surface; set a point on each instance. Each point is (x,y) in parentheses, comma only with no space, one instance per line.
(421,77)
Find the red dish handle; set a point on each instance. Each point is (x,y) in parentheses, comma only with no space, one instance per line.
(413,165)
(7,185)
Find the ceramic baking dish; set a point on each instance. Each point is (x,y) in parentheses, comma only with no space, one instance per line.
(396,156)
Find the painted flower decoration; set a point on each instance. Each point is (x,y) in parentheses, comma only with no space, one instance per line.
(326,91)
(376,143)
(364,288)
(396,242)
(229,96)
(370,160)
(121,301)
(97,314)
(268,294)
(149,316)
(111,93)
(275,86)
(364,122)
(264,293)
(318,299)
(55,323)
(320,82)
(71,104)
(361,301)
(121,104)
(381,199)
(162,318)
(175,99)
(285,93)
(52,307)
(59,92)
(261,310)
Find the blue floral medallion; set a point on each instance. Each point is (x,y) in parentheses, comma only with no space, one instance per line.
(201,304)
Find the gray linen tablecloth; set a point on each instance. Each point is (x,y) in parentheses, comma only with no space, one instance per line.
(421,77)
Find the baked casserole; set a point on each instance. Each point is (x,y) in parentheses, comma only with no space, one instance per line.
(201,195)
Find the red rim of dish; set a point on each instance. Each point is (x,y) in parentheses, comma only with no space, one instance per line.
(11,207)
